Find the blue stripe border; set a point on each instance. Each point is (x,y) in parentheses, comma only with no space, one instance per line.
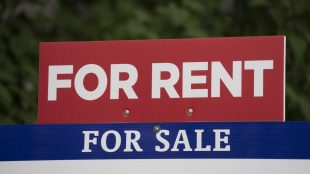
(248,140)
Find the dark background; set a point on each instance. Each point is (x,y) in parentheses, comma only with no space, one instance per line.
(23,24)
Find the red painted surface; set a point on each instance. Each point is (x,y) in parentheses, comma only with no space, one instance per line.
(70,108)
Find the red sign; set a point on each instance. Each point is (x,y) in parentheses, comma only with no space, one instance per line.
(173,80)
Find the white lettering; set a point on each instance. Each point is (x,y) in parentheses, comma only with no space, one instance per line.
(188,80)
(126,85)
(132,141)
(117,141)
(163,141)
(79,82)
(181,135)
(87,140)
(168,84)
(258,66)
(219,139)
(199,141)
(233,83)
(54,83)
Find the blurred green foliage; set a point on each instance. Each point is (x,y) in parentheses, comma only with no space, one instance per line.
(23,24)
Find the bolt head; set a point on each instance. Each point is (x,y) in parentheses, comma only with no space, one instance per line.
(126,112)
(156,128)
(190,111)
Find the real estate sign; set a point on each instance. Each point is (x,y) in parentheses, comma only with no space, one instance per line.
(170,80)
(220,148)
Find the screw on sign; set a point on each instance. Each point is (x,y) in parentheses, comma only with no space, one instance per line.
(126,112)
(156,128)
(190,111)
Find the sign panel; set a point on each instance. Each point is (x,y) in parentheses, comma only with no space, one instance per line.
(166,148)
(173,80)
